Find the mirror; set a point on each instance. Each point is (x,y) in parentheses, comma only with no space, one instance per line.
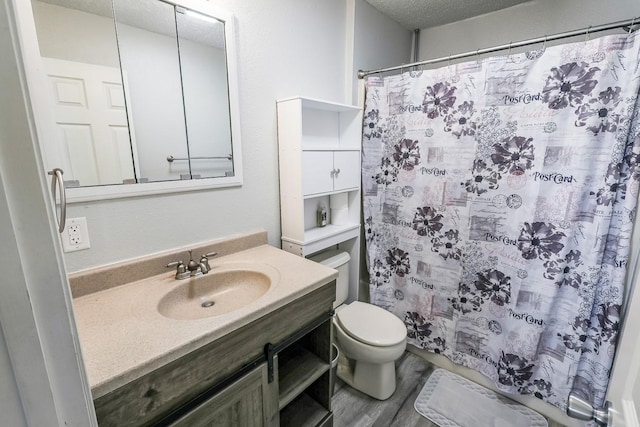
(140,92)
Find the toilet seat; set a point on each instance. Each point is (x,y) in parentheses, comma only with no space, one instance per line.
(371,325)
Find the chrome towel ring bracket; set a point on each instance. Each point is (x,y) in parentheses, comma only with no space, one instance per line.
(56,177)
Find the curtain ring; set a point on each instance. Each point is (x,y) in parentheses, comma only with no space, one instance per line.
(586,35)
(477,55)
(509,51)
(449,61)
(544,43)
(633,21)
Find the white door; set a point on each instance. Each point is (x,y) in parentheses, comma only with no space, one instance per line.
(624,387)
(91,128)
(36,315)
(347,169)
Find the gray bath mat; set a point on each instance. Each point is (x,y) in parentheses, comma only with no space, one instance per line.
(449,400)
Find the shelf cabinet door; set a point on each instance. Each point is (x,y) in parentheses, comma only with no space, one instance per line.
(348,163)
(317,167)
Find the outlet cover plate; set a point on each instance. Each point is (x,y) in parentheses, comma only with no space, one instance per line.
(75,235)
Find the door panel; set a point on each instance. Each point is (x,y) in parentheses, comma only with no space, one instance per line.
(316,172)
(244,403)
(77,143)
(348,163)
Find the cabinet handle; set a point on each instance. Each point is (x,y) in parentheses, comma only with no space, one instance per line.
(56,176)
(337,171)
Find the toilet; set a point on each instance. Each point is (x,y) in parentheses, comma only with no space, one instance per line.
(369,338)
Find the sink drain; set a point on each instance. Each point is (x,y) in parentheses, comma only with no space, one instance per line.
(207,304)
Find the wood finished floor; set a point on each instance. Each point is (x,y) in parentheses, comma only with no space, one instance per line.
(352,408)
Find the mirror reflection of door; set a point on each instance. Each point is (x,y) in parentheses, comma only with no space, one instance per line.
(91,122)
(90,139)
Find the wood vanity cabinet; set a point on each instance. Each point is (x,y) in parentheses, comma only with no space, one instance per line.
(297,396)
(272,371)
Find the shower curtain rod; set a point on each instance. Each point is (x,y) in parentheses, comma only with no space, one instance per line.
(586,31)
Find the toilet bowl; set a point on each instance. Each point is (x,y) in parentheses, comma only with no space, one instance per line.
(373,339)
(370,339)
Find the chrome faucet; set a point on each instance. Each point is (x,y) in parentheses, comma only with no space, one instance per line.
(193,268)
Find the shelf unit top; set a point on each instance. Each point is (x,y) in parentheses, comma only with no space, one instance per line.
(321,105)
(329,193)
(316,234)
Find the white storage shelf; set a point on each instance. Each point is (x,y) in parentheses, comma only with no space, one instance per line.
(319,154)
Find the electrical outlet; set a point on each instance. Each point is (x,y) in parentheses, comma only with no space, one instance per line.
(75,235)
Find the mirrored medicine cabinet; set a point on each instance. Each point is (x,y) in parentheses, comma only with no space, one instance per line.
(136,97)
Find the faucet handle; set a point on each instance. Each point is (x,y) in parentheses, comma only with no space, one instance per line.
(175,264)
(181,271)
(204,262)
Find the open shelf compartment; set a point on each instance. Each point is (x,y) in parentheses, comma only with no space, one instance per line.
(298,368)
(305,411)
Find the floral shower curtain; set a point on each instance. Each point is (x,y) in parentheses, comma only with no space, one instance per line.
(499,198)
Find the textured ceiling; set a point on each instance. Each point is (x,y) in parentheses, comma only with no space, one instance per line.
(418,14)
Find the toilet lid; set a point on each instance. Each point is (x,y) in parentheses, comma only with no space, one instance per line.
(371,325)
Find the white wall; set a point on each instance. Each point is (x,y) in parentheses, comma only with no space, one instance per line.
(285,48)
(527,20)
(378,42)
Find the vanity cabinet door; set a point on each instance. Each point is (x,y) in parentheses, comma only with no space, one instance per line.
(249,402)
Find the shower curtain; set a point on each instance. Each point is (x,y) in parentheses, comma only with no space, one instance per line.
(499,197)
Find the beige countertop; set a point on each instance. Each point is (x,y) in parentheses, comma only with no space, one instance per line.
(123,336)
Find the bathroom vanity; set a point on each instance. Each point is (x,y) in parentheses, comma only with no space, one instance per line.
(264,362)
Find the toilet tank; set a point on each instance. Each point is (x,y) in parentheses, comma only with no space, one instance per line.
(340,261)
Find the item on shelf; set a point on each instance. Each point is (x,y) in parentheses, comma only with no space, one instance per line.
(339,208)
(321,215)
